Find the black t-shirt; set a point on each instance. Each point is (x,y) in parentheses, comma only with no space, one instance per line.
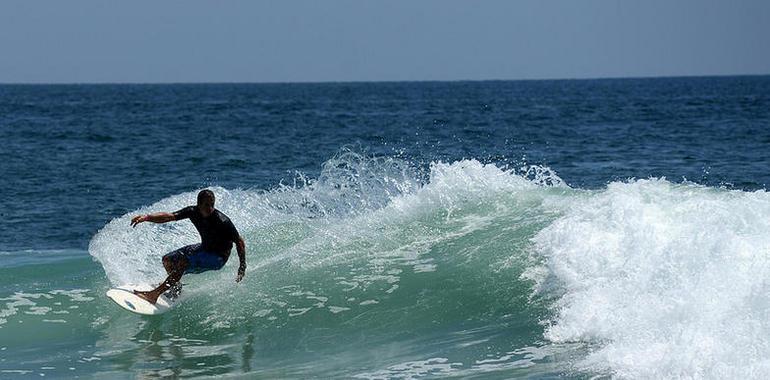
(217,231)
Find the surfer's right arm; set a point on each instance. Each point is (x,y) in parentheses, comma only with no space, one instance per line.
(158,217)
(164,217)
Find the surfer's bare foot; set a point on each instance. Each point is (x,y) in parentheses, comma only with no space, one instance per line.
(147,296)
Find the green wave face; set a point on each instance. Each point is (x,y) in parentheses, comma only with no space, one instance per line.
(348,277)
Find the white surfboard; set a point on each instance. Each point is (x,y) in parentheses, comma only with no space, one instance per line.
(124,296)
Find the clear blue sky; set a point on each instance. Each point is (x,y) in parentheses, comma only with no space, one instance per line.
(358,40)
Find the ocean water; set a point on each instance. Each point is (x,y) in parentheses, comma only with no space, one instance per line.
(507,229)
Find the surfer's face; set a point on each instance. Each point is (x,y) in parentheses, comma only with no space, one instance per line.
(206,208)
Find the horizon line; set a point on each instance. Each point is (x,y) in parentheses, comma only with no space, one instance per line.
(386,81)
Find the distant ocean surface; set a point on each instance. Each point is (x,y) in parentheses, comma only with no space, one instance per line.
(503,229)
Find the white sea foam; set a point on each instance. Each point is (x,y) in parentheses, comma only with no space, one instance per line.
(355,197)
(668,281)
(19,304)
(349,184)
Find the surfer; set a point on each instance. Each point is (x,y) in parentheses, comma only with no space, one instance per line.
(217,237)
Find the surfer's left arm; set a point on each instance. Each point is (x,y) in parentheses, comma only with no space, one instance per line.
(240,246)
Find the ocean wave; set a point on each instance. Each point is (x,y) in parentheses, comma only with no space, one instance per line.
(645,278)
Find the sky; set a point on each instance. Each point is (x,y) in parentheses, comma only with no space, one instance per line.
(84,41)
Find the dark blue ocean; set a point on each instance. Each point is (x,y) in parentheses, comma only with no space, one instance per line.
(500,229)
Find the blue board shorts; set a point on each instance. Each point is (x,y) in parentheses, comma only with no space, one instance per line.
(198,260)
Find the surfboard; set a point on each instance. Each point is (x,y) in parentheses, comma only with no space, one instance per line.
(124,296)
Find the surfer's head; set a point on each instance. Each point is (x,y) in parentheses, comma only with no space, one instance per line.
(206,202)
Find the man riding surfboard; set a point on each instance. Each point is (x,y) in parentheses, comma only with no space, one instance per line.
(218,234)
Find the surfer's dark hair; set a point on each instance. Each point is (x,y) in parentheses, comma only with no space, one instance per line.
(206,195)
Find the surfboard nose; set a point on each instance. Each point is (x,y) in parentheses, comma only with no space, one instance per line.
(125,297)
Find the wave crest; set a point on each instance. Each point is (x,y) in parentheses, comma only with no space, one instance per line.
(669,280)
